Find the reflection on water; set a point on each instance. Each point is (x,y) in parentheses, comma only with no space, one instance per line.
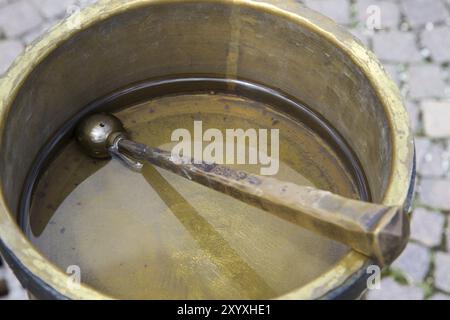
(156,235)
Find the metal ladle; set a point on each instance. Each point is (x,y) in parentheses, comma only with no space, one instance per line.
(377,231)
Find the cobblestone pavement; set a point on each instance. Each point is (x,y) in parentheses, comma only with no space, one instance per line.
(413,42)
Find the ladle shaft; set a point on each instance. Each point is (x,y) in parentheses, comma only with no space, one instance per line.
(377,231)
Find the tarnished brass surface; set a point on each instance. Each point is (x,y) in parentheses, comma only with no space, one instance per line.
(276,43)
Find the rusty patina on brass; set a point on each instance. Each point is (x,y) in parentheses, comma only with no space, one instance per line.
(279,44)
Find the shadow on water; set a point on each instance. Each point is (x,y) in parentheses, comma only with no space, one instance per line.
(54,185)
(223,255)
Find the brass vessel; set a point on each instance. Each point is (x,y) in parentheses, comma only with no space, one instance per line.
(278,44)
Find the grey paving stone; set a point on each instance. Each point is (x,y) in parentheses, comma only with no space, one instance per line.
(36,33)
(51,9)
(420,12)
(414,115)
(435,193)
(427,227)
(436,115)
(435,162)
(396,46)
(18,18)
(16,291)
(391,290)
(438,42)
(362,35)
(85,3)
(389,13)
(442,271)
(440,296)
(9,50)
(426,81)
(393,72)
(414,262)
(338,10)
(422,145)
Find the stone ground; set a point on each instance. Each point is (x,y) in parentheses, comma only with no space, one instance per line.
(413,42)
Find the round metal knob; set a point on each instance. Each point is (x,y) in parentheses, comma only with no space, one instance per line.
(94,134)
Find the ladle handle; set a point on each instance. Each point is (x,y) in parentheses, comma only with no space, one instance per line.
(377,231)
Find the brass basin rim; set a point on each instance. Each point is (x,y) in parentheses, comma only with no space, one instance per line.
(402,141)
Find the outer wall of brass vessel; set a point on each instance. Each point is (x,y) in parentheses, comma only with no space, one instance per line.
(279,44)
